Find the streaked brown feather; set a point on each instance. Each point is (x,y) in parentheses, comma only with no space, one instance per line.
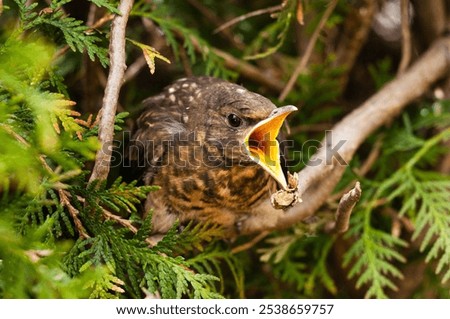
(185,146)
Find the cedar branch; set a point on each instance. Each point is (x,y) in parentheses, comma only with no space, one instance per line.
(64,198)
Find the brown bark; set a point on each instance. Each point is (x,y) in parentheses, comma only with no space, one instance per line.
(113,85)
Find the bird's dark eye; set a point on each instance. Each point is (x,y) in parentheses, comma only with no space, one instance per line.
(234,120)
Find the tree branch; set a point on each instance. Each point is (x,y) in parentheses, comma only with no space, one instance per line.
(319,178)
(248,15)
(308,52)
(245,69)
(250,71)
(134,69)
(250,243)
(115,79)
(406,37)
(317,182)
(430,18)
(217,21)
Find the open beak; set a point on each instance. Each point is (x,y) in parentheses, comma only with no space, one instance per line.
(263,147)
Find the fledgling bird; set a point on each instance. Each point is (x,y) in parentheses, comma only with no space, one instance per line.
(211,146)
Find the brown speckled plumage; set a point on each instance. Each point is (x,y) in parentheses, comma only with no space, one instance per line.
(185,141)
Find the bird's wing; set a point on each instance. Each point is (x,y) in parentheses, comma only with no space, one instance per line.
(156,128)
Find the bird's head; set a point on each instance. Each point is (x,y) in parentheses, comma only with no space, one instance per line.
(241,127)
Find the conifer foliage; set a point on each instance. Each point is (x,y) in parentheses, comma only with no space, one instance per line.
(63,237)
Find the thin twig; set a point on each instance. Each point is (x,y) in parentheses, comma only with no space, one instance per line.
(248,15)
(127,224)
(361,171)
(444,165)
(103,20)
(371,158)
(308,52)
(24,142)
(209,14)
(217,21)
(185,62)
(345,208)
(406,37)
(431,19)
(134,69)
(110,99)
(250,243)
(64,197)
(91,15)
(124,222)
(63,194)
(249,71)
(244,68)
(109,215)
(356,29)
(398,222)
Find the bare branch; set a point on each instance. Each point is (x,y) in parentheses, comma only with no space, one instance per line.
(124,222)
(406,37)
(249,71)
(63,194)
(100,22)
(317,181)
(361,171)
(398,222)
(91,15)
(345,208)
(250,243)
(56,185)
(371,159)
(115,79)
(134,69)
(308,52)
(244,68)
(431,19)
(355,31)
(444,165)
(248,15)
(185,62)
(217,21)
